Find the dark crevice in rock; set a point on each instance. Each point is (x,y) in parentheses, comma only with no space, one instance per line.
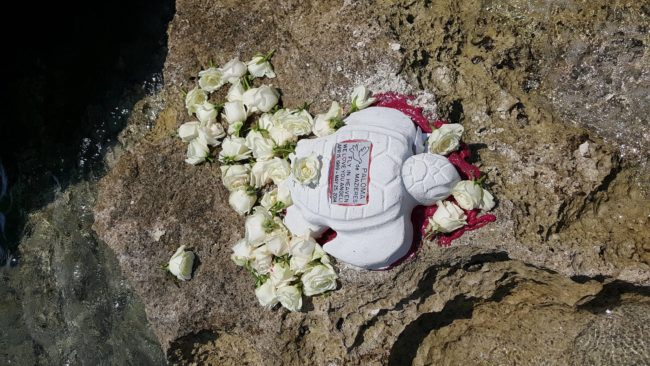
(461,307)
(610,296)
(425,287)
(183,348)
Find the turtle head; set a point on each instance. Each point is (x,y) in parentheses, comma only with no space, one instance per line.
(429,178)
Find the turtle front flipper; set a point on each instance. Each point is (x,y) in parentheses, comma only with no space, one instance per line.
(373,248)
(299,226)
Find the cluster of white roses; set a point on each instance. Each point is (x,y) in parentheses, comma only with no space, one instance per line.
(468,194)
(256,153)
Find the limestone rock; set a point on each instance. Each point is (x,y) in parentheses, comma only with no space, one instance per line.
(572,219)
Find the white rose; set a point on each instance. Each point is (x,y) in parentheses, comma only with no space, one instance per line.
(265,122)
(194,98)
(234,112)
(467,194)
(261,146)
(277,241)
(302,246)
(328,123)
(280,198)
(447,218)
(318,279)
(235,92)
(261,99)
(299,264)
(234,149)
(281,136)
(211,79)
(445,139)
(266,295)
(259,178)
(306,170)
(320,255)
(290,297)
(241,252)
(256,226)
(197,151)
(360,98)
(189,131)
(241,200)
(259,67)
(236,176)
(211,133)
(234,129)
(278,170)
(487,203)
(299,122)
(206,113)
(262,260)
(280,274)
(180,264)
(233,70)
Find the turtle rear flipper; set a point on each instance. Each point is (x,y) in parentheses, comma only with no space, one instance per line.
(373,247)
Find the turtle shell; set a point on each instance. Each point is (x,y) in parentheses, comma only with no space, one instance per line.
(391,145)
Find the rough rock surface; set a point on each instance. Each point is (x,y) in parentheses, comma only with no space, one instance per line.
(574,198)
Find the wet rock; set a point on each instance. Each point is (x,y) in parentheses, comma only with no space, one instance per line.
(572,212)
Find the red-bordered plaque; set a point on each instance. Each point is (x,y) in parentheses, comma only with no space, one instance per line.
(349,174)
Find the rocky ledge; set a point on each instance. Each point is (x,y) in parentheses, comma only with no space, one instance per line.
(554,101)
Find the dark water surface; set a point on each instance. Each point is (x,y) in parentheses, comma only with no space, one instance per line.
(72,73)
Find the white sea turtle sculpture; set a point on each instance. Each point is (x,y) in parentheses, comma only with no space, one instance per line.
(370,181)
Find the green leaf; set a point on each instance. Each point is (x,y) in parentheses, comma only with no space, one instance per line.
(285,151)
(269,226)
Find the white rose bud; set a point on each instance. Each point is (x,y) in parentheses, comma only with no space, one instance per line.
(320,255)
(256,226)
(266,295)
(261,99)
(189,131)
(197,151)
(241,200)
(277,197)
(235,92)
(278,170)
(259,67)
(193,99)
(299,264)
(233,70)
(242,252)
(180,264)
(445,139)
(299,123)
(234,149)
(261,146)
(206,113)
(447,218)
(266,121)
(290,297)
(468,194)
(281,275)
(234,129)
(212,133)
(306,170)
(262,260)
(360,98)
(234,112)
(302,246)
(487,203)
(211,79)
(318,279)
(259,178)
(277,241)
(326,124)
(281,136)
(236,176)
